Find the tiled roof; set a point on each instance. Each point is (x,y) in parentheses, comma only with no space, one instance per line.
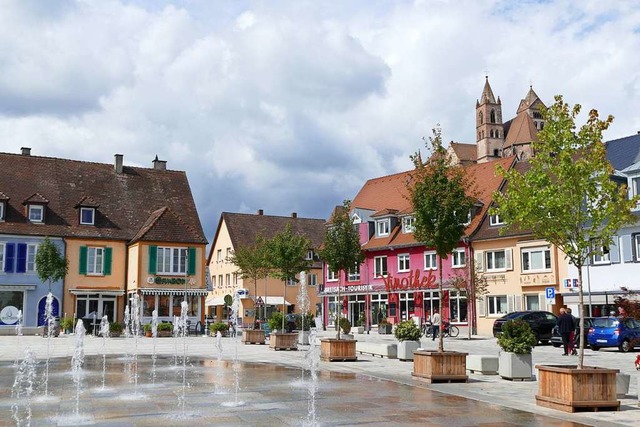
(465,153)
(126,200)
(529,100)
(385,212)
(87,202)
(165,225)
(390,192)
(522,130)
(624,152)
(35,198)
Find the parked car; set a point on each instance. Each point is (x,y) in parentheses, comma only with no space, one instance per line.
(556,338)
(541,323)
(623,333)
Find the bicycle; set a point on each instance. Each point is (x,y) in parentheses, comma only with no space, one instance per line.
(446,328)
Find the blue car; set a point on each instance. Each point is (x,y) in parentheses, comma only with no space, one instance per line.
(623,333)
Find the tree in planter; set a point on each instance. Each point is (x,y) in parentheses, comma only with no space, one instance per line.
(286,254)
(517,337)
(341,250)
(567,196)
(440,203)
(474,285)
(251,262)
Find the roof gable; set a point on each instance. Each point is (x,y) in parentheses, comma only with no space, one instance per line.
(521,131)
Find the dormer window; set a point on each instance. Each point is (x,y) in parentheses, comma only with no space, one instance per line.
(36,213)
(87,216)
(495,220)
(408,224)
(383,227)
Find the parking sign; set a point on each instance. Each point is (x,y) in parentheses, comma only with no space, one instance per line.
(551,292)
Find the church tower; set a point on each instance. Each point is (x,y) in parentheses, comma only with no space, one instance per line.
(489,127)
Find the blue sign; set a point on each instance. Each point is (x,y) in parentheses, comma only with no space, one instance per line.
(551,292)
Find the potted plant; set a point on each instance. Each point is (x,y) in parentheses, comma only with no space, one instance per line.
(516,341)
(216,327)
(275,322)
(360,323)
(345,326)
(164,329)
(384,327)
(115,329)
(408,333)
(66,324)
(148,330)
(304,323)
(279,339)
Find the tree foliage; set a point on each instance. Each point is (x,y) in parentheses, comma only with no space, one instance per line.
(441,206)
(517,337)
(567,196)
(51,266)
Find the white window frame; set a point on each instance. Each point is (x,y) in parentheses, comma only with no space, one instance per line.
(603,258)
(377,266)
(490,260)
(354,274)
(291,281)
(532,250)
(495,220)
(32,251)
(312,279)
(36,208)
(1,211)
(408,224)
(2,251)
(93,216)
(309,256)
(636,243)
(227,280)
(431,255)
(213,281)
(172,268)
(219,255)
(332,276)
(404,263)
(383,227)
(634,187)
(492,310)
(456,254)
(95,261)
(228,254)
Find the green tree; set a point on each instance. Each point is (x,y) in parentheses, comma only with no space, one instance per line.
(341,250)
(567,197)
(286,253)
(475,286)
(50,265)
(440,202)
(252,262)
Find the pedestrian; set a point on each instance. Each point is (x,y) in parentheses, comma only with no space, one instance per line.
(565,326)
(435,324)
(572,335)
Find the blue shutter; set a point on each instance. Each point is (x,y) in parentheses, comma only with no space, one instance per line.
(627,251)
(21,265)
(9,257)
(614,250)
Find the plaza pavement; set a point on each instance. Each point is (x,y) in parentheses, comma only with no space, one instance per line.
(490,389)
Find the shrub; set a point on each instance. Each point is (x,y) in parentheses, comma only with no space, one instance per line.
(517,337)
(407,331)
(165,326)
(66,323)
(147,327)
(218,326)
(305,322)
(116,327)
(344,324)
(275,321)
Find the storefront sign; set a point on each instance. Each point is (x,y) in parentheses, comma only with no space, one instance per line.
(9,315)
(412,282)
(160,280)
(349,289)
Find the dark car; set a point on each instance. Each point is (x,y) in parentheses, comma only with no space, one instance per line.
(556,338)
(541,323)
(623,333)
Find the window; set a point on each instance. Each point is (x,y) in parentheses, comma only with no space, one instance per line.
(2,257)
(220,282)
(332,276)
(172,260)
(1,211)
(312,279)
(235,279)
(403,263)
(291,281)
(36,213)
(219,256)
(458,258)
(354,273)
(636,246)
(634,187)
(492,116)
(227,280)
(87,216)
(481,117)
(309,256)
(213,281)
(536,259)
(603,256)
(495,220)
(32,250)
(497,305)
(382,227)
(532,302)
(95,257)
(228,253)
(408,224)
(430,261)
(380,266)
(499,260)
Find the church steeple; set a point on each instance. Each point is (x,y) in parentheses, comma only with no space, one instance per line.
(489,127)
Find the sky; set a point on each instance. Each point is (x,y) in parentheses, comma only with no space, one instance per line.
(290,106)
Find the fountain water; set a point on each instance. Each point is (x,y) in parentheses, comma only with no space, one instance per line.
(135,331)
(18,334)
(154,334)
(22,389)
(218,345)
(48,312)
(77,360)
(127,321)
(104,332)
(313,362)
(184,314)
(235,306)
(176,334)
(303,305)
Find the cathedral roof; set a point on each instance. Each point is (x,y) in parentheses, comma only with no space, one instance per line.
(529,100)
(464,153)
(522,130)
(487,94)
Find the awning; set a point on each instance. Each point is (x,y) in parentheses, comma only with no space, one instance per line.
(275,301)
(17,287)
(155,291)
(596,297)
(96,291)
(211,300)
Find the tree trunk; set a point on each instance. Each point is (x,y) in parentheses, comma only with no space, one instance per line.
(441,311)
(581,321)
(284,299)
(338,307)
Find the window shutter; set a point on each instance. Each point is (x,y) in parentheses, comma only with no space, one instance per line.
(614,250)
(518,302)
(627,248)
(508,259)
(83,260)
(510,303)
(108,255)
(153,259)
(191,268)
(482,307)
(542,301)
(9,257)
(21,265)
(479,260)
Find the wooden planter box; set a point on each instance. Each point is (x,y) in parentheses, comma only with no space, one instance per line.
(283,341)
(570,389)
(436,367)
(164,334)
(332,349)
(253,336)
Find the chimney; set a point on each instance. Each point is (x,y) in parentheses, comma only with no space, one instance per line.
(118,163)
(294,215)
(260,212)
(26,151)
(160,165)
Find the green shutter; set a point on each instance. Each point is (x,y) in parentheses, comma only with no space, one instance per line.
(153,259)
(191,268)
(83,260)
(108,255)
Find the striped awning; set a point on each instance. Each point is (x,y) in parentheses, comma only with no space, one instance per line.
(155,291)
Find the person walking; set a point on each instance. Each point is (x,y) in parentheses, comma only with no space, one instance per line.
(565,326)
(435,324)
(572,335)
